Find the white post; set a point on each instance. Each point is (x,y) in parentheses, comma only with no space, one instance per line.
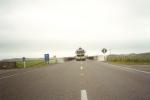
(104,57)
(24,64)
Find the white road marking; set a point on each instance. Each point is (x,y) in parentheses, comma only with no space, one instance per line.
(130,69)
(13,75)
(7,76)
(81,67)
(7,71)
(84,95)
(82,74)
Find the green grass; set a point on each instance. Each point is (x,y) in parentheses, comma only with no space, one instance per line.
(130,63)
(33,63)
(129,59)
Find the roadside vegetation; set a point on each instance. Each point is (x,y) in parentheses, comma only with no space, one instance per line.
(143,58)
(33,63)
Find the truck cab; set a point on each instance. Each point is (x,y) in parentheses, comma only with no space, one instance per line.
(80,54)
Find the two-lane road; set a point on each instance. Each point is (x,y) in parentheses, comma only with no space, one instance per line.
(87,80)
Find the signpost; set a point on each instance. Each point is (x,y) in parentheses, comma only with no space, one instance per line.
(46,58)
(24,62)
(104,50)
(55,59)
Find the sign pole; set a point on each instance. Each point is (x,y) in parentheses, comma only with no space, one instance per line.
(104,50)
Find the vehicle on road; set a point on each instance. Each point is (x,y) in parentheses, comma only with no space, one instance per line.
(80,54)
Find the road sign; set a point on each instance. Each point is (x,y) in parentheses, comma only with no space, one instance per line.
(104,50)
(46,58)
(23,58)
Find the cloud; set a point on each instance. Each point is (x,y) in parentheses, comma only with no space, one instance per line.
(55,25)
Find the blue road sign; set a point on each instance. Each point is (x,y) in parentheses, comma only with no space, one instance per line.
(46,57)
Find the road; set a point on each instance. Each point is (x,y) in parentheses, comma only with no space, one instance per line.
(87,80)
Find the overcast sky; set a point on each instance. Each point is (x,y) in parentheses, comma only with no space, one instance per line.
(33,27)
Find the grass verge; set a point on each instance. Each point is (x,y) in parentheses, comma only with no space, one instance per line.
(129,59)
(33,63)
(129,63)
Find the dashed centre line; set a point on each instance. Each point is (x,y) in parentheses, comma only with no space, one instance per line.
(81,67)
(83,92)
(84,95)
(82,74)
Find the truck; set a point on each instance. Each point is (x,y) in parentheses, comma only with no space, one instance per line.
(80,54)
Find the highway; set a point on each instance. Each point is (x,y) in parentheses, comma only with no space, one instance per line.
(86,80)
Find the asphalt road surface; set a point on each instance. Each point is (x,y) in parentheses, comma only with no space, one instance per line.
(87,80)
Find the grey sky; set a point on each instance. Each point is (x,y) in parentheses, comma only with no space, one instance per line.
(34,27)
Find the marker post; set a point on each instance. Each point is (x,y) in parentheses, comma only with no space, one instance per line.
(24,62)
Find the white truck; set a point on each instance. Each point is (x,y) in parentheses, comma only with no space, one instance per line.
(80,55)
